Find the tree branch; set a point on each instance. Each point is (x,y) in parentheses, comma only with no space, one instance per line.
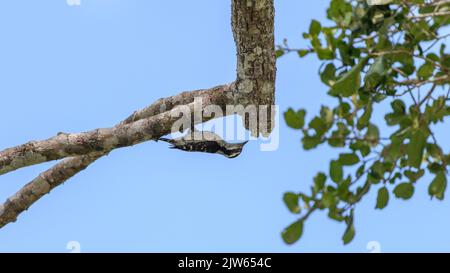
(253,31)
(252,25)
(433,14)
(147,124)
(69,167)
(42,185)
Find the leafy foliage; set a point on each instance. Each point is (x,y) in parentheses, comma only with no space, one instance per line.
(375,52)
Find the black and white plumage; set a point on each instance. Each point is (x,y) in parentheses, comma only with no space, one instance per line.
(206,142)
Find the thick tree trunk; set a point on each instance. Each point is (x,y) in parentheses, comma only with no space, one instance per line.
(253,30)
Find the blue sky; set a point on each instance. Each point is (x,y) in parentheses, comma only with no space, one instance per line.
(75,68)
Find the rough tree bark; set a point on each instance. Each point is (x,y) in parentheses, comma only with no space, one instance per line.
(253,31)
(253,26)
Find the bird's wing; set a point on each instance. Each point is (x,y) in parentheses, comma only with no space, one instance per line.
(168,140)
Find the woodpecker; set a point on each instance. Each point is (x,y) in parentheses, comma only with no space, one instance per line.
(208,143)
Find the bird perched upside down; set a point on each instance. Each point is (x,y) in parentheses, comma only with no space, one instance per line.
(208,142)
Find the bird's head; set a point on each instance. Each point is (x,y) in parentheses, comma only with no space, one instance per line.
(233,150)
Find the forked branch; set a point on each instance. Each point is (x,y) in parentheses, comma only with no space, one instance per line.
(253,30)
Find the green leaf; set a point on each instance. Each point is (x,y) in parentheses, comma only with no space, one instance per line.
(338,11)
(360,146)
(336,215)
(292,233)
(407,62)
(336,171)
(343,109)
(404,191)
(434,150)
(291,200)
(414,176)
(318,125)
(416,148)
(382,198)
(376,73)
(349,84)
(315,28)
(319,181)
(349,233)
(279,53)
(425,71)
(372,135)
(327,116)
(328,200)
(303,52)
(324,53)
(438,186)
(360,171)
(310,142)
(378,67)
(363,121)
(435,167)
(436,111)
(345,51)
(433,57)
(377,170)
(348,159)
(399,107)
(393,118)
(295,120)
(328,75)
